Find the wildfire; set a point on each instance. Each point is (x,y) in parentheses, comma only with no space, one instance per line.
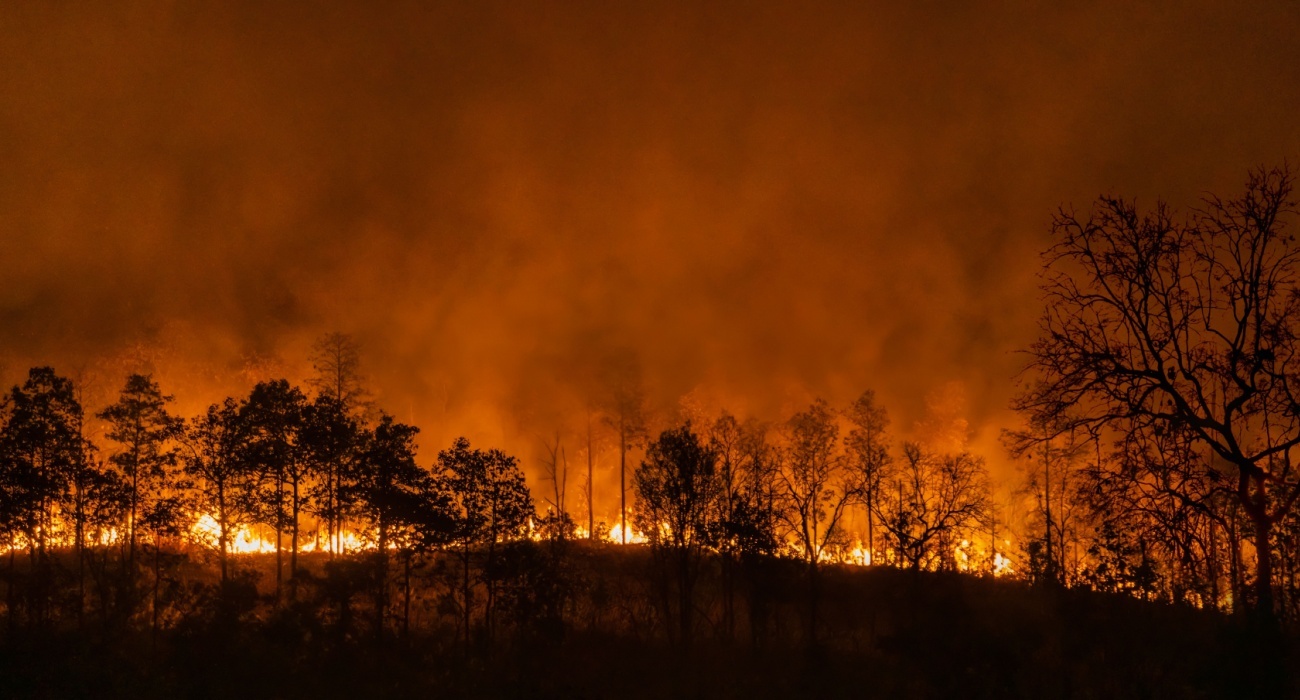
(242,540)
(633,537)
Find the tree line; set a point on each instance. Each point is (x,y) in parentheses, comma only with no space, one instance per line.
(1160,420)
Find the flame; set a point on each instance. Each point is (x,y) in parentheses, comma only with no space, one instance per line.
(633,536)
(242,540)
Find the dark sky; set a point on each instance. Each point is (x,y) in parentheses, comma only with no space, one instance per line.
(759,203)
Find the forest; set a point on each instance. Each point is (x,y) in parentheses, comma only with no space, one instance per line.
(280,537)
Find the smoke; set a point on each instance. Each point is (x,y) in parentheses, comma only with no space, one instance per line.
(758,204)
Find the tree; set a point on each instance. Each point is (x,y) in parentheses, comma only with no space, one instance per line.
(223,481)
(41,450)
(330,440)
(732,520)
(677,488)
(555,467)
(930,503)
(1163,324)
(816,488)
(625,415)
(1051,477)
(399,504)
(145,433)
(273,417)
(867,445)
(336,359)
(490,503)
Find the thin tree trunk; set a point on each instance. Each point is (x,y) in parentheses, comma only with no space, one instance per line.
(157,571)
(1264,570)
(622,475)
(465,594)
(279,528)
(591,506)
(223,537)
(1047,500)
(293,552)
(381,594)
(11,597)
(406,592)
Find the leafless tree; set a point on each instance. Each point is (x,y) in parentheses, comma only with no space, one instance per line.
(1160,323)
(930,503)
(867,445)
(336,359)
(816,488)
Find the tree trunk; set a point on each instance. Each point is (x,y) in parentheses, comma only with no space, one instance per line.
(130,560)
(293,544)
(381,592)
(685,603)
(812,602)
(622,476)
(488,622)
(223,537)
(153,607)
(279,531)
(11,597)
(1264,570)
(591,506)
(406,596)
(465,594)
(1047,500)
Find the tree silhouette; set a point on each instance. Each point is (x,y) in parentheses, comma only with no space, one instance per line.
(1051,476)
(930,503)
(555,467)
(677,488)
(867,445)
(223,480)
(1154,323)
(330,438)
(399,504)
(625,414)
(145,433)
(491,503)
(40,451)
(816,488)
(336,359)
(273,416)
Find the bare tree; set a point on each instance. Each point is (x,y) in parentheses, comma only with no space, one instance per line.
(1051,478)
(1157,323)
(816,489)
(336,359)
(626,416)
(868,450)
(930,503)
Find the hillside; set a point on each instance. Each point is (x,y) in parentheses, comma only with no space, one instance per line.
(583,622)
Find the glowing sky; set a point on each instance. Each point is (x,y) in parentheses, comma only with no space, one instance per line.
(758,202)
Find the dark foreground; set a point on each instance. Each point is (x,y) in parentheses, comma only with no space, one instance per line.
(882,633)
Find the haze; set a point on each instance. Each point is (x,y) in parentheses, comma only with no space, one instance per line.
(755,204)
